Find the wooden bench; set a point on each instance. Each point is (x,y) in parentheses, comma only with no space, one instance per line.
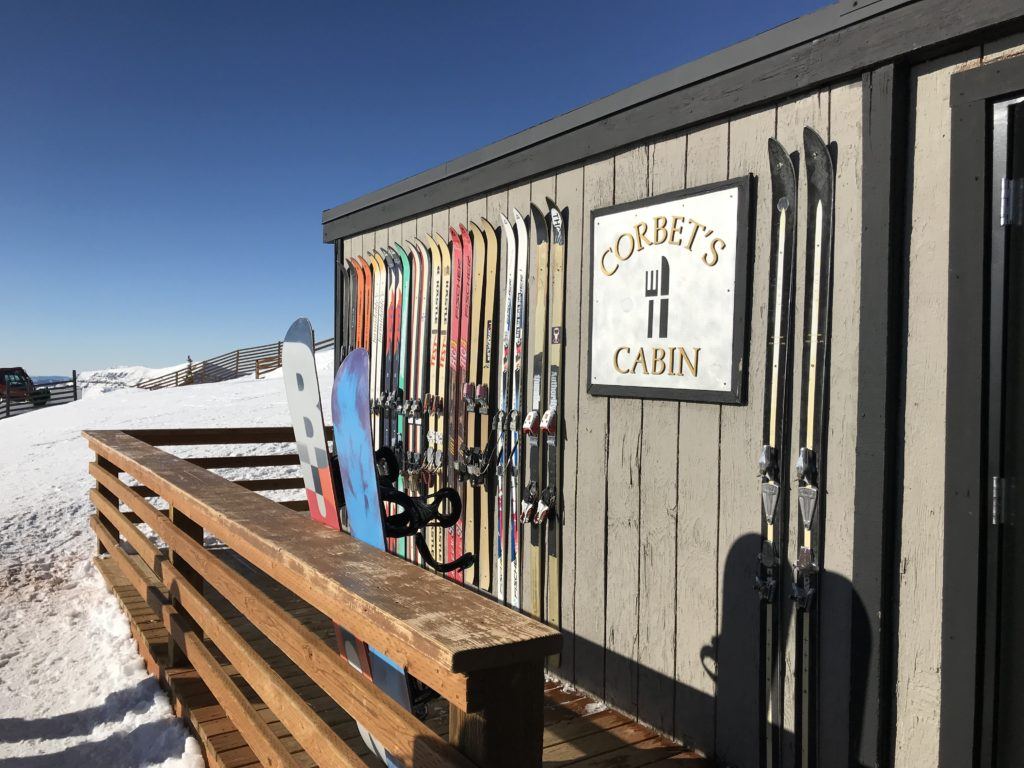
(484,658)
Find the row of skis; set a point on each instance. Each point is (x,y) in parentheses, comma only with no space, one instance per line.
(447,379)
(773,461)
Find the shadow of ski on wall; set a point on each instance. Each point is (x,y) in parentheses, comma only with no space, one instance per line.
(716,710)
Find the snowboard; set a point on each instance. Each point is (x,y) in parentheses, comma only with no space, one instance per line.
(350,408)
(303,393)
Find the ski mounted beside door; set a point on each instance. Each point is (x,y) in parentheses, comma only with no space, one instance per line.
(811,460)
(773,459)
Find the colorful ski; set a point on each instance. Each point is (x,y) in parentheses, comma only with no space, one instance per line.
(465,339)
(549,508)
(533,458)
(515,410)
(501,416)
(773,462)
(453,395)
(810,466)
(470,445)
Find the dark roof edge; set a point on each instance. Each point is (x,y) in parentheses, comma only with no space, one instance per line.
(837,42)
(774,40)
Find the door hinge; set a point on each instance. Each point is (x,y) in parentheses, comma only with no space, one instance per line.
(998,486)
(1011,203)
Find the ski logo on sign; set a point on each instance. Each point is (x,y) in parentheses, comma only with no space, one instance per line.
(656,291)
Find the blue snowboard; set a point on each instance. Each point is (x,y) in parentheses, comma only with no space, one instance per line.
(350,410)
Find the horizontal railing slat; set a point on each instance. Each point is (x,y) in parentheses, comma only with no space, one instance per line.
(217,436)
(239,462)
(428,624)
(398,730)
(267,747)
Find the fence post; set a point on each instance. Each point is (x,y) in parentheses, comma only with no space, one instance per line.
(74,383)
(280,346)
(8,401)
(176,655)
(237,351)
(507,731)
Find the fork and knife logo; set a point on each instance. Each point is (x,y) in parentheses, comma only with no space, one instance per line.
(656,293)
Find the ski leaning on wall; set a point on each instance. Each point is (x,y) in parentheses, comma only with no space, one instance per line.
(447,392)
(549,508)
(811,459)
(773,459)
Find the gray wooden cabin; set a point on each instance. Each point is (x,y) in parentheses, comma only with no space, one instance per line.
(662,501)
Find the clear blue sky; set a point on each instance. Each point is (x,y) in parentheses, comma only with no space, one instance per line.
(163,166)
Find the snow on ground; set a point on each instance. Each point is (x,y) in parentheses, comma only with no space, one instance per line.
(110,379)
(73,689)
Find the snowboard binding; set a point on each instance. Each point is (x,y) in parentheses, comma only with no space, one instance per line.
(442,509)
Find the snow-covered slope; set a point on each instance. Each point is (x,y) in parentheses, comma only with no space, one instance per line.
(74,691)
(110,379)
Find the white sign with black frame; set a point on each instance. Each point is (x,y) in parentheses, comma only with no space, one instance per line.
(669,295)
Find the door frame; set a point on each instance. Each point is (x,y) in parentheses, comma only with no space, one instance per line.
(967,677)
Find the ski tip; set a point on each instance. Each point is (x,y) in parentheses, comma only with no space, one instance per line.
(557,221)
(402,253)
(814,145)
(453,234)
(505,222)
(539,224)
(780,159)
(518,216)
(463,231)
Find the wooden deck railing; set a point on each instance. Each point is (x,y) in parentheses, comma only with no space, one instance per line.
(484,658)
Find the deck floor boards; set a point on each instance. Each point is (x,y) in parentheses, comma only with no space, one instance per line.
(577,731)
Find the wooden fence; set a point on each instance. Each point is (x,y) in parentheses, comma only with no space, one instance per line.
(240,362)
(60,392)
(485,659)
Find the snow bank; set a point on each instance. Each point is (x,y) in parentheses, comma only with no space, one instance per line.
(73,688)
(109,379)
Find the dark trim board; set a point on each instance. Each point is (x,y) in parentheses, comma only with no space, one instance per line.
(746,187)
(880,370)
(966,493)
(724,84)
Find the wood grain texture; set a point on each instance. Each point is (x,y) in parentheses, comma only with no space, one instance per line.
(698,482)
(659,498)
(302,722)
(592,457)
(417,619)
(569,190)
(919,654)
(264,743)
(837,597)
(625,425)
(741,437)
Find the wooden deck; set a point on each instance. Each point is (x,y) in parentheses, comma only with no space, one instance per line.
(577,731)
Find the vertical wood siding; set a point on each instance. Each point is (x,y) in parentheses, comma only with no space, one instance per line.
(661,518)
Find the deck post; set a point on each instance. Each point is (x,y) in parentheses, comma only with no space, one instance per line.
(176,654)
(109,496)
(507,731)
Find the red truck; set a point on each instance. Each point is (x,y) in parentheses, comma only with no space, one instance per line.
(17,386)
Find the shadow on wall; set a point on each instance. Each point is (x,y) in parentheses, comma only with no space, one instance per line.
(725,724)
